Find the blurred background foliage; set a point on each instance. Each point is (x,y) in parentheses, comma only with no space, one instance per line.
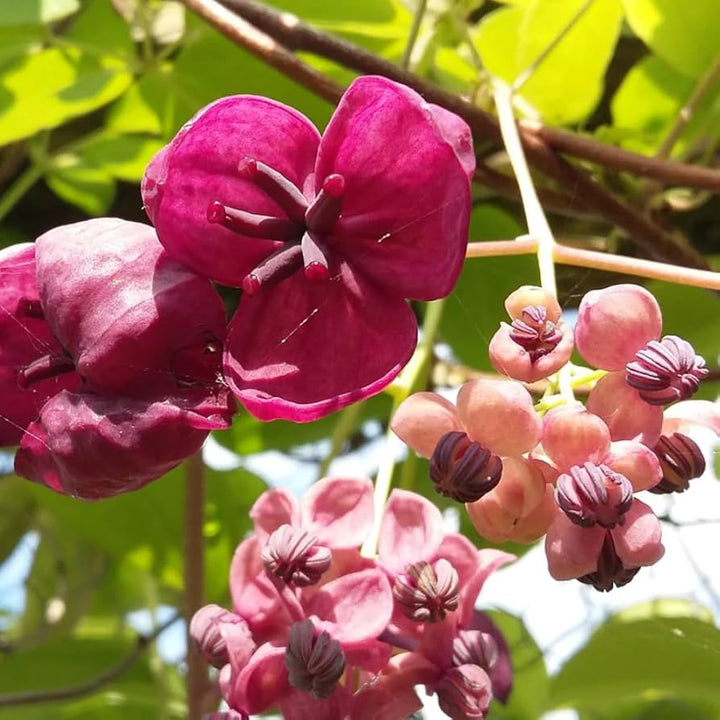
(91,89)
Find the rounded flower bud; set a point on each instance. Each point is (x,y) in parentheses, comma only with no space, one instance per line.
(666,371)
(425,593)
(315,664)
(594,494)
(681,460)
(293,556)
(206,632)
(462,469)
(465,692)
(473,647)
(571,436)
(532,296)
(614,323)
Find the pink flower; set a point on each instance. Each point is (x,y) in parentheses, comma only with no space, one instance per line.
(139,339)
(326,236)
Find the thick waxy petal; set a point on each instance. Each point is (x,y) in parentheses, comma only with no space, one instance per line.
(307,349)
(636,462)
(573,436)
(201,166)
(272,509)
(130,317)
(639,541)
(355,607)
(407,199)
(411,530)
(92,447)
(338,512)
(572,551)
(262,683)
(614,323)
(489,560)
(422,419)
(625,413)
(487,408)
(26,337)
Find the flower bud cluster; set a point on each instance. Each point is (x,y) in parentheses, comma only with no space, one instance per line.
(318,630)
(562,469)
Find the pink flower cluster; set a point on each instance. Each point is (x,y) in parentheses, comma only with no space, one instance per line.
(571,472)
(117,358)
(322,633)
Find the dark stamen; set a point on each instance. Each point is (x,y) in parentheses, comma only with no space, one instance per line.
(278,266)
(314,663)
(44,368)
(277,186)
(252,225)
(681,461)
(325,210)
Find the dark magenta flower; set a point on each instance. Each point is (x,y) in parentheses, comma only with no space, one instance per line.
(327,236)
(112,379)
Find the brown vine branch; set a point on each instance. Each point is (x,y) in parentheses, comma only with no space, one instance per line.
(33,697)
(298,36)
(196,679)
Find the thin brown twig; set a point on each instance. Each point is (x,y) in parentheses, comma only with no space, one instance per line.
(296,35)
(34,697)
(196,678)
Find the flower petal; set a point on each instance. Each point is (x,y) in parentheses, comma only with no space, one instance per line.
(200,166)
(354,607)
(422,419)
(572,551)
(272,509)
(489,560)
(639,541)
(636,462)
(411,530)
(128,314)
(93,447)
(406,206)
(25,339)
(302,350)
(338,511)
(262,683)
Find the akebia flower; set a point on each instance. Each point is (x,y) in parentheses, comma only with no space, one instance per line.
(327,236)
(120,382)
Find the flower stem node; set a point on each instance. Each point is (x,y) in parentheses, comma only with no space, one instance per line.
(293,555)
(425,592)
(594,494)
(314,663)
(462,469)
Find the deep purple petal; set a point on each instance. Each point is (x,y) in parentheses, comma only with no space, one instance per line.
(406,206)
(200,166)
(92,447)
(130,316)
(25,338)
(301,350)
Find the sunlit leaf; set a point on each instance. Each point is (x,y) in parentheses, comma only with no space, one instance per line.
(91,189)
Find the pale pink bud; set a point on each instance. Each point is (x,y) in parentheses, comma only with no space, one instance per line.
(571,436)
(499,414)
(529,296)
(293,555)
(206,630)
(626,414)
(614,323)
(422,419)
(465,692)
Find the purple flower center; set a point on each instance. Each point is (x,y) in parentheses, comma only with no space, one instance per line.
(666,370)
(463,469)
(610,571)
(425,593)
(303,232)
(315,664)
(594,494)
(681,460)
(534,332)
(473,647)
(293,556)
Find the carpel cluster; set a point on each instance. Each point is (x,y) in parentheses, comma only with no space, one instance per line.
(563,469)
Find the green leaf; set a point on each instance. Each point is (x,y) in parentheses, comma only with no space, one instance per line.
(52,86)
(91,189)
(685,34)
(26,12)
(123,157)
(17,510)
(663,91)
(17,41)
(529,696)
(474,311)
(567,84)
(676,657)
(99,26)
